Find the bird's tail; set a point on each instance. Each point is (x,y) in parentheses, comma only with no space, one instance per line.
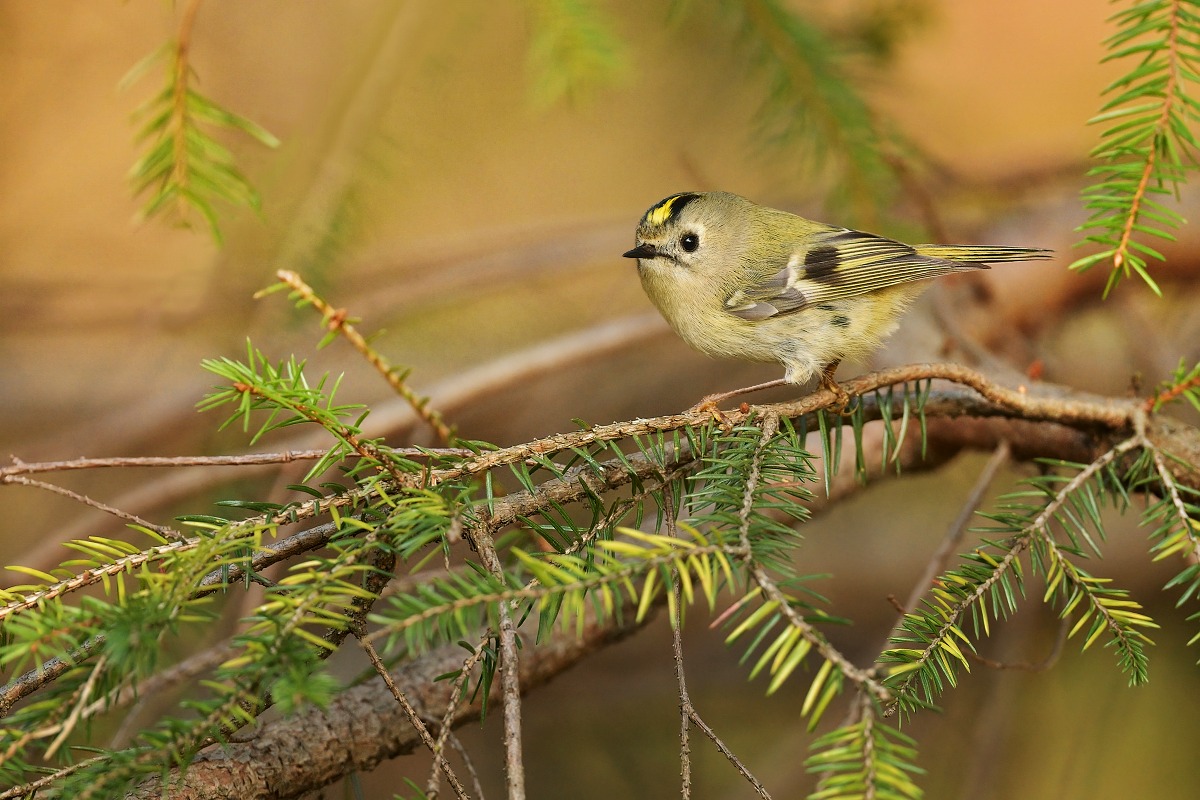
(982,253)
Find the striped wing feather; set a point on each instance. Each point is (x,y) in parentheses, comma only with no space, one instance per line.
(847,263)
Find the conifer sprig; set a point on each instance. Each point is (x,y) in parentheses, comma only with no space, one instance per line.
(184,169)
(1150,146)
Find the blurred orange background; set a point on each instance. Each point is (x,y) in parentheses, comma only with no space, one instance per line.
(421,185)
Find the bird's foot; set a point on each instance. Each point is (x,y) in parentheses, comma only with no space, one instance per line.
(841,400)
(709,404)
(841,397)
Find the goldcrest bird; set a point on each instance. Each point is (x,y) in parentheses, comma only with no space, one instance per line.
(741,280)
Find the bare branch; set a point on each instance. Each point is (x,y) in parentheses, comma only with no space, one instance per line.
(162,530)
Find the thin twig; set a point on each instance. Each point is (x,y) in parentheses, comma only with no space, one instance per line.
(724,750)
(162,530)
(958,529)
(452,705)
(20,467)
(1192,553)
(771,590)
(688,713)
(77,710)
(335,320)
(414,718)
(685,700)
(510,680)
(1050,659)
(686,710)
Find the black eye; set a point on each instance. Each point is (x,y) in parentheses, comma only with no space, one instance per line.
(690,242)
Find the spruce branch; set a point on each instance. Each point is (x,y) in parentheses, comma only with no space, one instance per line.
(746,482)
(337,321)
(185,169)
(573,50)
(1176,523)
(800,637)
(1102,414)
(811,104)
(23,598)
(1184,384)
(865,759)
(284,393)
(937,626)
(1181,535)
(1151,146)
(1109,610)
(563,584)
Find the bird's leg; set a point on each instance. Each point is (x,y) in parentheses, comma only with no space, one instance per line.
(709,401)
(841,396)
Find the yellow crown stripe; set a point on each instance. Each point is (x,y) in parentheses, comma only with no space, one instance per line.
(665,210)
(662,212)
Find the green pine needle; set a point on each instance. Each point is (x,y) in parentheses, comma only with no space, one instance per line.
(184,171)
(1148,146)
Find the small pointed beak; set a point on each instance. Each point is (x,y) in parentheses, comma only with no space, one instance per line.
(643,250)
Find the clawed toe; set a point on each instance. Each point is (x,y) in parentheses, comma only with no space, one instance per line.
(709,404)
(841,401)
(841,398)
